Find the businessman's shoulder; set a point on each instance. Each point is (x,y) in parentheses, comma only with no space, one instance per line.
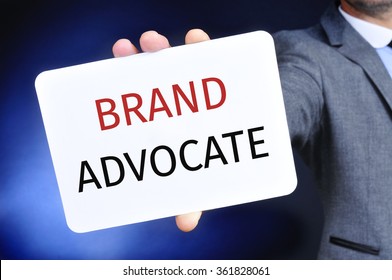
(303,40)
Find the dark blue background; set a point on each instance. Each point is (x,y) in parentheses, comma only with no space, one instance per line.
(41,35)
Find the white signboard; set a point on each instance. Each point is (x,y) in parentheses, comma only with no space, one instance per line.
(153,135)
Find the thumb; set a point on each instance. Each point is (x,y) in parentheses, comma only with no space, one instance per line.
(188,222)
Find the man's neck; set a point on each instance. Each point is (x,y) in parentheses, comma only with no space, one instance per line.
(384,19)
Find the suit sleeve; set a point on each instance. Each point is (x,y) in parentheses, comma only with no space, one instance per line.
(302,86)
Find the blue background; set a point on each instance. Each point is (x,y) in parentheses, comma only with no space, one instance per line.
(41,35)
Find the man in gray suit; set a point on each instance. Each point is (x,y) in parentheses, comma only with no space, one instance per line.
(336,80)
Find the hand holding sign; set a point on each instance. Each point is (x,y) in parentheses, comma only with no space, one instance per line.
(151,41)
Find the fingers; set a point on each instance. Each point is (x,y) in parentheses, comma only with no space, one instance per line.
(123,47)
(188,222)
(152,41)
(196,36)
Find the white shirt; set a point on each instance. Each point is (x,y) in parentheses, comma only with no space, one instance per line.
(377,36)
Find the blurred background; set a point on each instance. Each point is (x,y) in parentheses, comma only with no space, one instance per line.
(42,35)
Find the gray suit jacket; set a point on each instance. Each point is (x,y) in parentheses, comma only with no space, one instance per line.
(338,98)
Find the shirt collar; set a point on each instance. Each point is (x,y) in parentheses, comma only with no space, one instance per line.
(377,36)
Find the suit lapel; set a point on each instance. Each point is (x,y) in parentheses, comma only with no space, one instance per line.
(350,44)
(374,68)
